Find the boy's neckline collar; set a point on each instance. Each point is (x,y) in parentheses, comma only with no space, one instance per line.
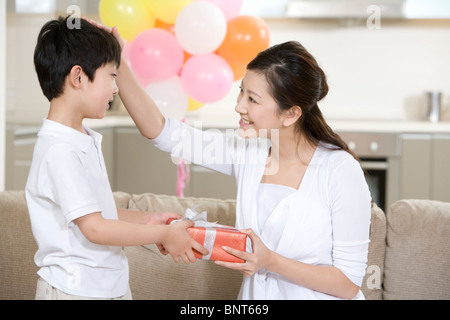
(78,138)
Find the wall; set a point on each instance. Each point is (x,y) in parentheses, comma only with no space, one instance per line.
(2,93)
(373,74)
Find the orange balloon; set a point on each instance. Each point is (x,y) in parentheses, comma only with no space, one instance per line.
(162,25)
(239,71)
(246,37)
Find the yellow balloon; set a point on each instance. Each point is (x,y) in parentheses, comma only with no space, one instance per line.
(194,105)
(167,10)
(131,17)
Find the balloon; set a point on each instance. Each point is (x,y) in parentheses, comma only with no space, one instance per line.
(162,25)
(130,16)
(170,97)
(167,10)
(194,105)
(246,37)
(200,28)
(230,8)
(156,55)
(207,78)
(239,71)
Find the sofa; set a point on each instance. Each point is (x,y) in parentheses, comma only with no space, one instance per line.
(409,254)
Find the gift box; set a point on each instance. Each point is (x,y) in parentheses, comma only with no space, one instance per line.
(213,237)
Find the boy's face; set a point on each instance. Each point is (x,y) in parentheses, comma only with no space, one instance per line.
(100,92)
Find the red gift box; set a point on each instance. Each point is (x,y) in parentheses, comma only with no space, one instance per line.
(214,238)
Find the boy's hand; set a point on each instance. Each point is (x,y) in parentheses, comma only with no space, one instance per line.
(114,31)
(161,218)
(179,244)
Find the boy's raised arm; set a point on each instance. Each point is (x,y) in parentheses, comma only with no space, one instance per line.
(147,116)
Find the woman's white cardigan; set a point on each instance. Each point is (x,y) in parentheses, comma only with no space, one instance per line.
(325,222)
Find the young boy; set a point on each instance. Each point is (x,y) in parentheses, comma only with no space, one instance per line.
(78,229)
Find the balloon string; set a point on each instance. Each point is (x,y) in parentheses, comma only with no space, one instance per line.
(183,176)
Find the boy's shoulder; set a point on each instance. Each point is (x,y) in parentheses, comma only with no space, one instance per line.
(56,134)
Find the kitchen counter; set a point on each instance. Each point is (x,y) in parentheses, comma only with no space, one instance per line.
(337,125)
(232,122)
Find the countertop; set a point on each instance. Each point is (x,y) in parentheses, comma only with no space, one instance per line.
(376,126)
(232,122)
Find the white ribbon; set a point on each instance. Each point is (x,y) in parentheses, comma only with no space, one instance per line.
(200,220)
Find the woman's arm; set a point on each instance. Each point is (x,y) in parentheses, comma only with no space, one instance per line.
(147,116)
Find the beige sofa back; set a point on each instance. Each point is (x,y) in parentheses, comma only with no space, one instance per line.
(413,265)
(417,264)
(18,276)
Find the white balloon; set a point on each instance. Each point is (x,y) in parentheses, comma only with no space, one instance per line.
(200,28)
(170,97)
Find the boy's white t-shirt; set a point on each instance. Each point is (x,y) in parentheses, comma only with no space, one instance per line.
(68,180)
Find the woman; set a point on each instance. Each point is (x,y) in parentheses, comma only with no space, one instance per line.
(302,197)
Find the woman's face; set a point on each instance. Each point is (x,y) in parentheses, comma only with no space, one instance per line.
(258,110)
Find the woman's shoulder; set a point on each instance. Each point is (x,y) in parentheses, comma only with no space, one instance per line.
(338,157)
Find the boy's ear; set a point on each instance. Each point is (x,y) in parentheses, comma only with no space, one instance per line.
(76,77)
(292,116)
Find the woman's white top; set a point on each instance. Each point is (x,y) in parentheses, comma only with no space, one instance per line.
(325,222)
(269,196)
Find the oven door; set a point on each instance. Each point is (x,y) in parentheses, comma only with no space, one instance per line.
(375,172)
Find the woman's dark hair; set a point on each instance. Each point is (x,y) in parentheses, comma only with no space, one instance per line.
(296,79)
(62,45)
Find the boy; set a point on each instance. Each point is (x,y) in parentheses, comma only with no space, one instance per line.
(76,224)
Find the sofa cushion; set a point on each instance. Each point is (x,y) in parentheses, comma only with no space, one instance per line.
(222,211)
(154,276)
(417,253)
(122,199)
(18,276)
(373,281)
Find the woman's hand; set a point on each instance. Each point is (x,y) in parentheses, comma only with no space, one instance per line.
(114,31)
(261,258)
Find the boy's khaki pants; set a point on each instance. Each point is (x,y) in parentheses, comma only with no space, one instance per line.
(44,291)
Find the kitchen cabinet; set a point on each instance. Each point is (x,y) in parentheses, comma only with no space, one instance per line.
(205,183)
(19,152)
(425,170)
(441,168)
(419,167)
(139,167)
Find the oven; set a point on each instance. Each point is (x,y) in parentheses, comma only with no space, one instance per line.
(380,159)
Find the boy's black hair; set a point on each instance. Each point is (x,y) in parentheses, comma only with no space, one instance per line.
(62,45)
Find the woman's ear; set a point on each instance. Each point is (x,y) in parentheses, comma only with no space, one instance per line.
(292,116)
(76,77)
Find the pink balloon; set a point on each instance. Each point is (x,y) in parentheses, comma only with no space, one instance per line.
(230,8)
(207,78)
(156,55)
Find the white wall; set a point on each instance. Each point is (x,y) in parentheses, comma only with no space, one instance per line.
(373,74)
(2,92)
